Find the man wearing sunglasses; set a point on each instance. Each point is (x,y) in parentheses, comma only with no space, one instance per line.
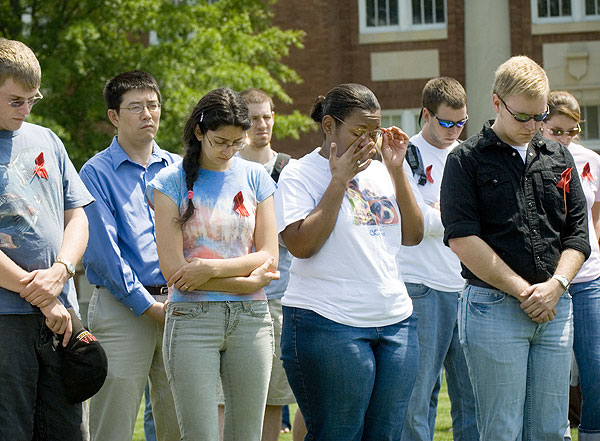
(515,214)
(432,271)
(43,233)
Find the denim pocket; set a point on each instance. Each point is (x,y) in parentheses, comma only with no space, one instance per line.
(481,300)
(417,290)
(258,308)
(178,310)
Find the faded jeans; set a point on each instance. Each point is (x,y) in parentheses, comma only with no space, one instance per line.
(586,344)
(519,369)
(437,312)
(206,339)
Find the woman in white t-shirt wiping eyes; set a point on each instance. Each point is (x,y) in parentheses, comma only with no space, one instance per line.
(349,343)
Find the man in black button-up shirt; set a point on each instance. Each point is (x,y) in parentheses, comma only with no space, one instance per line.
(516,217)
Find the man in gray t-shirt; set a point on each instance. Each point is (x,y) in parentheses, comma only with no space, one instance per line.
(43,233)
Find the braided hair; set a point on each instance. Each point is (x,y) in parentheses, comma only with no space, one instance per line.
(218,108)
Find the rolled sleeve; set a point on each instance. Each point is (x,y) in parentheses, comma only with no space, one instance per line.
(458,201)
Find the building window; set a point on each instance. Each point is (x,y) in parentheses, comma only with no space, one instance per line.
(592,7)
(554,11)
(382,13)
(591,126)
(401,15)
(428,12)
(406,119)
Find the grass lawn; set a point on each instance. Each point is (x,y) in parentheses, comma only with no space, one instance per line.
(443,424)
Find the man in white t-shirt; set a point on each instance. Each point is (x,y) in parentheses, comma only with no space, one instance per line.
(431,272)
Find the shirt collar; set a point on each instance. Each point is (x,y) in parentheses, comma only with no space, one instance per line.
(118,155)
(488,138)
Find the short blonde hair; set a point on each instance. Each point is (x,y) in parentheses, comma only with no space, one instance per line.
(18,62)
(521,75)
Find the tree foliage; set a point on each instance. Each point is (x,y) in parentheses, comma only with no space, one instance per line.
(199,45)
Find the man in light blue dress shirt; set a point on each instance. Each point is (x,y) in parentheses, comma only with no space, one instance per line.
(126,312)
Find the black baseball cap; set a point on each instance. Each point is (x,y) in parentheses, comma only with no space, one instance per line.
(85,364)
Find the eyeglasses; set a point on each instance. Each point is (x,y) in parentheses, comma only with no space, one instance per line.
(358,132)
(446,123)
(30,101)
(524,117)
(571,132)
(237,145)
(139,108)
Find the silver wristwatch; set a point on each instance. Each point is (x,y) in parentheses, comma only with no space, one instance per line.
(68,265)
(562,280)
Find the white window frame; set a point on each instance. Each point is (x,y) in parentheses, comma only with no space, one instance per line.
(592,143)
(577,14)
(404,19)
(408,118)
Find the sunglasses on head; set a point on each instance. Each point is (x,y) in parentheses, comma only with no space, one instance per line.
(524,117)
(571,132)
(446,123)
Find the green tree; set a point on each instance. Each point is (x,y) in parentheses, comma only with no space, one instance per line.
(199,45)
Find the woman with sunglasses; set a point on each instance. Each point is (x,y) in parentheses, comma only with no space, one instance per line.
(349,341)
(217,248)
(562,125)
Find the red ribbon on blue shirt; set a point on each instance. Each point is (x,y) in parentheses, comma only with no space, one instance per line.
(39,167)
(238,205)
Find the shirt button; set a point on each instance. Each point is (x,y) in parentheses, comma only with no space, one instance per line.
(537,258)
(534,231)
(514,154)
(495,181)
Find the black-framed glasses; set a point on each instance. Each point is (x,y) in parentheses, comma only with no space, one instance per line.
(237,145)
(571,132)
(524,117)
(446,123)
(358,132)
(30,101)
(139,108)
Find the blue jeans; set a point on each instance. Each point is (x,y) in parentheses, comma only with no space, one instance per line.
(439,346)
(205,340)
(519,369)
(33,405)
(586,344)
(149,428)
(351,383)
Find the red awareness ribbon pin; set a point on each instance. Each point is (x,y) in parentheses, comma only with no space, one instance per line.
(565,178)
(428,171)
(587,174)
(238,205)
(39,167)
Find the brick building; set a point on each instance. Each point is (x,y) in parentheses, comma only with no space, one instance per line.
(394,46)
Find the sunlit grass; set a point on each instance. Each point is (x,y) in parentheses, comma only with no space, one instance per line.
(443,423)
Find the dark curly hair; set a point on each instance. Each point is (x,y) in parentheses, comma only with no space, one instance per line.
(218,108)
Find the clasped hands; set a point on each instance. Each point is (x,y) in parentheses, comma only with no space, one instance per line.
(539,301)
(197,272)
(42,288)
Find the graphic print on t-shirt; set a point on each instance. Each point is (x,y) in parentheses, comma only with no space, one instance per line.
(368,207)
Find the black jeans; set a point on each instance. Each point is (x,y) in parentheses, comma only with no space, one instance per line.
(32,400)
